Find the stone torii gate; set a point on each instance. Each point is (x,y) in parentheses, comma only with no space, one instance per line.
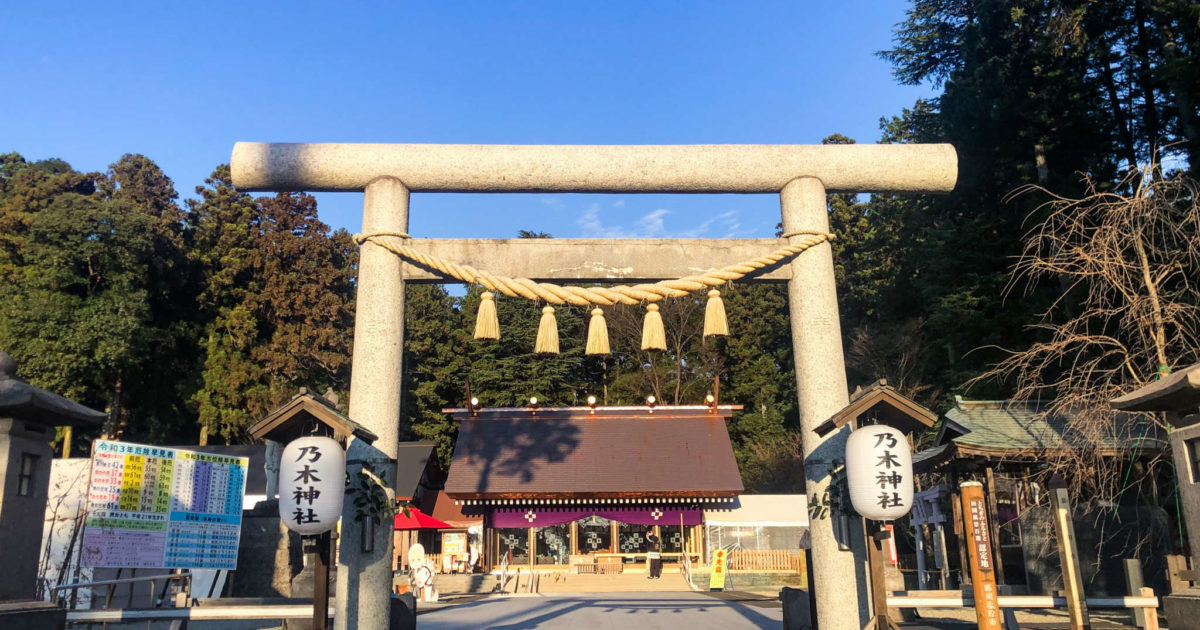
(800,174)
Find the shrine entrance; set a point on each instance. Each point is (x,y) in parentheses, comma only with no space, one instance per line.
(591,545)
(801,175)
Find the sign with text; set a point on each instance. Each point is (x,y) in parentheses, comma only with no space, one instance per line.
(454,544)
(164,508)
(979,554)
(720,566)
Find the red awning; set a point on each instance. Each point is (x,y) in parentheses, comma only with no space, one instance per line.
(417,519)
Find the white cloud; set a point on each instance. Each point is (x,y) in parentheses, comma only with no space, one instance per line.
(552,202)
(654,225)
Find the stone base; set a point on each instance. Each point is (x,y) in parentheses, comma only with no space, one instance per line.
(1182,609)
(32,615)
(797,610)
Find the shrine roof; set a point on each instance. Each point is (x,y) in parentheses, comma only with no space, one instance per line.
(439,505)
(1010,428)
(573,452)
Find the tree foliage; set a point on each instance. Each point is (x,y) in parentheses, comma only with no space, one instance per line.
(277,304)
(1129,313)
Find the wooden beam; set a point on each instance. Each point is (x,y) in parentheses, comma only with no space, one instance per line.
(600,260)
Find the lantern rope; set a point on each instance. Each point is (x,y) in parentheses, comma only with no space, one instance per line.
(585,296)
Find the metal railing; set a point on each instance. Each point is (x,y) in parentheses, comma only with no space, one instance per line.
(1144,600)
(110,584)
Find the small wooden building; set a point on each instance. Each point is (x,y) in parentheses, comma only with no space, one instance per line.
(1005,445)
(580,489)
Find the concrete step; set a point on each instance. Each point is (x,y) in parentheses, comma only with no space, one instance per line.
(556,582)
(621,583)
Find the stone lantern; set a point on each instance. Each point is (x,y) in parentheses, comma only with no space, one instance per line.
(1178,395)
(28,416)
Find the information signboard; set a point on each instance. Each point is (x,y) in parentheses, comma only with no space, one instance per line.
(979,554)
(155,507)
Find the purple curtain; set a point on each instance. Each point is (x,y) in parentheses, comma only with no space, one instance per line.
(536,517)
(642,515)
(653,515)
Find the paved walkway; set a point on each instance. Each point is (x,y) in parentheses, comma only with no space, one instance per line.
(602,611)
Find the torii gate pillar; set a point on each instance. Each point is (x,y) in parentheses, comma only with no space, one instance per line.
(821,392)
(364,577)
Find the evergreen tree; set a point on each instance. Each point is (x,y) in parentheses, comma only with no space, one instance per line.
(277,303)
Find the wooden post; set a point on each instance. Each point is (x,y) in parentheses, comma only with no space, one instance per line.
(994,517)
(958,518)
(979,555)
(1134,583)
(321,582)
(876,535)
(919,537)
(939,555)
(1149,615)
(1068,557)
(1177,566)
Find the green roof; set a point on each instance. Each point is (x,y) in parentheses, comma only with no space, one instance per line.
(999,425)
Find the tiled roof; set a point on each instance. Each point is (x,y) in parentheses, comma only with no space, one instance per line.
(439,505)
(1007,425)
(518,453)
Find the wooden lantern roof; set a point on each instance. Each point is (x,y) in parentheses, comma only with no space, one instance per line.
(883,404)
(305,413)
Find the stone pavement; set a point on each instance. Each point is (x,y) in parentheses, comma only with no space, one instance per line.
(600,611)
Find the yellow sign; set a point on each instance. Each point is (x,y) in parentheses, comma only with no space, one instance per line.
(454,544)
(720,565)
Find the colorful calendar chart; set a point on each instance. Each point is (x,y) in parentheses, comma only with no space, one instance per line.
(153,507)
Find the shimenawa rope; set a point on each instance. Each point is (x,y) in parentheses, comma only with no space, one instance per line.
(653,335)
(585,296)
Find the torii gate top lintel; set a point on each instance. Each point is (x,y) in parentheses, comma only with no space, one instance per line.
(727,168)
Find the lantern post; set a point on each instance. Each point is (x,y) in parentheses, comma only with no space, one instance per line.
(311,477)
(878,472)
(310,504)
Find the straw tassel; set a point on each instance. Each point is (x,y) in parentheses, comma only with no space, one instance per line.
(547,337)
(715,322)
(597,341)
(487,324)
(653,335)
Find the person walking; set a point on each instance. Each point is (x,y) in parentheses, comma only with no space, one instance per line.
(654,556)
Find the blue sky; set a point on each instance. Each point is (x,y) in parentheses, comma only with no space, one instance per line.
(181,82)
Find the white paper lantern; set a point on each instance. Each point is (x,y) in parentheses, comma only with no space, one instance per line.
(879,472)
(312,482)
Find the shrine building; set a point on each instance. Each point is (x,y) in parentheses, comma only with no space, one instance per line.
(581,488)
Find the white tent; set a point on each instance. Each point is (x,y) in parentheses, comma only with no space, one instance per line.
(758,522)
